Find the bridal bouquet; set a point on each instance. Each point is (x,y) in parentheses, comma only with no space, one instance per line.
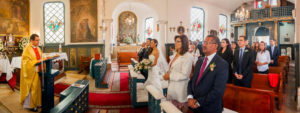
(145,64)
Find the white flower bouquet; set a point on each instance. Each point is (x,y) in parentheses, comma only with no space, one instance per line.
(23,42)
(128,40)
(145,64)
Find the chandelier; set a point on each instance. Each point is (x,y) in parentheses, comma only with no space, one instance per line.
(242,14)
(129,20)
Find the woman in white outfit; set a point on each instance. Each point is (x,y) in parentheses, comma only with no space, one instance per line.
(263,59)
(178,74)
(153,73)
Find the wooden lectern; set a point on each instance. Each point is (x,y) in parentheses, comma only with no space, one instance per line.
(47,84)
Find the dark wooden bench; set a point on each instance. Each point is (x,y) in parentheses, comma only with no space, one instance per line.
(248,100)
(124,58)
(103,74)
(261,81)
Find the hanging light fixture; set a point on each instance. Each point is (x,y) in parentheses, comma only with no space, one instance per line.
(242,13)
(129,20)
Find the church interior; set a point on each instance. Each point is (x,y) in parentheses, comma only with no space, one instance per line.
(90,53)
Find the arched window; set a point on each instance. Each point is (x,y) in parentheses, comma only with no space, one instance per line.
(222,26)
(54,22)
(148,28)
(197,23)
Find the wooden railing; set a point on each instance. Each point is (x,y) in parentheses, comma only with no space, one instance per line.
(283,11)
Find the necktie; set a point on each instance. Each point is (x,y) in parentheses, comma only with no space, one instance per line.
(202,69)
(240,61)
(272,51)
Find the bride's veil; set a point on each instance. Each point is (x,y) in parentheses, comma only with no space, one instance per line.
(162,63)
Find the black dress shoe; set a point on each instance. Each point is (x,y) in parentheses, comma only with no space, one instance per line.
(34,109)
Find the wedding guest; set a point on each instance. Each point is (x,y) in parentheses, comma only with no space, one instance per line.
(172,50)
(145,55)
(263,59)
(234,47)
(274,53)
(226,53)
(199,47)
(207,85)
(190,46)
(243,64)
(178,73)
(142,51)
(195,53)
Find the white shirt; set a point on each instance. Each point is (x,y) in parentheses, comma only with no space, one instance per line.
(263,57)
(209,58)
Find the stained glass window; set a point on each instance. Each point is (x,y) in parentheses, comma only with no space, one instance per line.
(197,23)
(222,26)
(54,22)
(273,2)
(148,29)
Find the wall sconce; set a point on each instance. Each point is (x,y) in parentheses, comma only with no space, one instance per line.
(172,29)
(103,28)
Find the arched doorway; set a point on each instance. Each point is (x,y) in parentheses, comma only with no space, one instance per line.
(127,28)
(262,34)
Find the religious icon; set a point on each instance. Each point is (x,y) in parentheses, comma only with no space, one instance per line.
(180,30)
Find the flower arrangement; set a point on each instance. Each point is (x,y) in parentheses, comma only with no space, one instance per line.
(127,40)
(145,64)
(23,42)
(212,66)
(1,45)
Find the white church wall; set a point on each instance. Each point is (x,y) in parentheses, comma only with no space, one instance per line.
(179,10)
(142,11)
(172,11)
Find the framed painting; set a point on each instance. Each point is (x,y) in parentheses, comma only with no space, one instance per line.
(83,21)
(14,17)
(127,28)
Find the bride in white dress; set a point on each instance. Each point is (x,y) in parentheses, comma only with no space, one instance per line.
(157,67)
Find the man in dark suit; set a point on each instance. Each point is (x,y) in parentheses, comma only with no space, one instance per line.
(243,62)
(199,46)
(274,53)
(141,52)
(144,52)
(207,85)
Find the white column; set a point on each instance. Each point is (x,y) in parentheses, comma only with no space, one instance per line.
(108,38)
(297,21)
(163,34)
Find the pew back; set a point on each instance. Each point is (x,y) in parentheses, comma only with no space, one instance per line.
(261,81)
(248,100)
(124,58)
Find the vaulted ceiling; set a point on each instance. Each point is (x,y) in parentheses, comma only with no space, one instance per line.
(229,5)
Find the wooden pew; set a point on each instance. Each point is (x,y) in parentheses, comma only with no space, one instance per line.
(73,99)
(124,58)
(155,97)
(261,81)
(168,107)
(248,100)
(279,70)
(136,88)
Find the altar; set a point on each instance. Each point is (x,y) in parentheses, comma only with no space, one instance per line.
(12,69)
